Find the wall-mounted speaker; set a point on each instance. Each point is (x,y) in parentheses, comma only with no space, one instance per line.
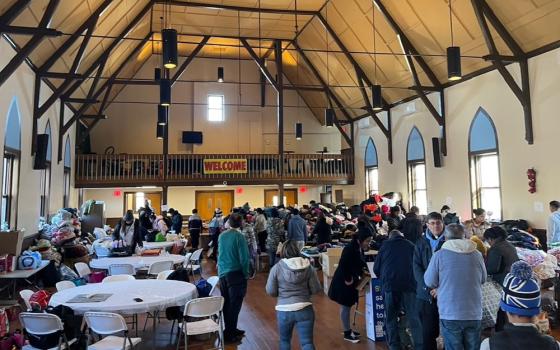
(436,148)
(40,160)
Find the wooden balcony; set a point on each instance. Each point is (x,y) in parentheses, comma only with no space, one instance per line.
(211,169)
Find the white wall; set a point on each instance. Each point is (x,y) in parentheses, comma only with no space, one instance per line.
(130,127)
(451,182)
(20,86)
(183,198)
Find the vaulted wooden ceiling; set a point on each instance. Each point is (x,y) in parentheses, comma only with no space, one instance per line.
(127,31)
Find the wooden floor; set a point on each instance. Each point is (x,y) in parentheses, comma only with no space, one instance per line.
(258,319)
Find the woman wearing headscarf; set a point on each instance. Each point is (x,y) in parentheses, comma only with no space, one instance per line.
(128,231)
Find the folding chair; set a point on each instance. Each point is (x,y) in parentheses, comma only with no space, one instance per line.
(208,308)
(42,324)
(107,324)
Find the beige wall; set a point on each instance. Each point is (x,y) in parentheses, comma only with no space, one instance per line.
(246,129)
(451,183)
(183,198)
(21,87)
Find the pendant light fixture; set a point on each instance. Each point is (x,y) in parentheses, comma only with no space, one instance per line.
(453,54)
(329,111)
(157,74)
(299,125)
(169,40)
(163,115)
(376,95)
(160,131)
(169,37)
(165,92)
(220,74)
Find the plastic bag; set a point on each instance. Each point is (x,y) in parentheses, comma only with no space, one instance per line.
(491,295)
(29,260)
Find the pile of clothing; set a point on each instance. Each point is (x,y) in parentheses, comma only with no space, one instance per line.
(523,239)
(544,265)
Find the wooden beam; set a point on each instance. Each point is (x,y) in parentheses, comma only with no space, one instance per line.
(407,43)
(93,116)
(390,136)
(501,30)
(65,86)
(26,50)
(189,59)
(83,46)
(4,28)
(79,100)
(260,63)
(235,8)
(304,88)
(56,75)
(13,11)
(328,90)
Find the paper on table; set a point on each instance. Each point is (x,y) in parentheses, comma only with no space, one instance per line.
(89,298)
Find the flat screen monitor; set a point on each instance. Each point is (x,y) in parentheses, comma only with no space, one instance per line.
(192,137)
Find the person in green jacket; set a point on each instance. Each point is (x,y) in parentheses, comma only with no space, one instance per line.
(233,270)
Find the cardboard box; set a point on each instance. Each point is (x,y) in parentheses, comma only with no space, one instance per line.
(330,260)
(11,242)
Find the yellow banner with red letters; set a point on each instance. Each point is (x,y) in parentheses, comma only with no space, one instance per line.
(225,166)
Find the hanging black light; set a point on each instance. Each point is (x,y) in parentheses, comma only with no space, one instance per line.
(169,37)
(329,117)
(299,131)
(157,74)
(165,92)
(220,74)
(160,131)
(377,99)
(454,63)
(162,114)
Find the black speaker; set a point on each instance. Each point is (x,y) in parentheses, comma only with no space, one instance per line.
(437,152)
(40,160)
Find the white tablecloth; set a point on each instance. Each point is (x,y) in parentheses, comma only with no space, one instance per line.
(157,245)
(156,295)
(139,262)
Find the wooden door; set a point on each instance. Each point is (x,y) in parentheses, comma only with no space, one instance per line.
(207,201)
(133,200)
(290,195)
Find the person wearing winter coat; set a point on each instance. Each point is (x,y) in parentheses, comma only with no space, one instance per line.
(297,229)
(195,228)
(215,227)
(394,218)
(176,220)
(158,224)
(457,272)
(293,281)
(322,231)
(260,229)
(128,230)
(427,308)
(501,255)
(553,227)
(393,265)
(521,300)
(347,275)
(275,235)
(478,224)
(411,225)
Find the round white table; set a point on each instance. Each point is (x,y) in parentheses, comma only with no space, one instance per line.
(157,245)
(139,262)
(156,295)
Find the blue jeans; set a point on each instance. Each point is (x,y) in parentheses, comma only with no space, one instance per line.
(461,335)
(394,303)
(303,320)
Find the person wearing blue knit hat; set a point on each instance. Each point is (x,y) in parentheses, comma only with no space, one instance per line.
(521,300)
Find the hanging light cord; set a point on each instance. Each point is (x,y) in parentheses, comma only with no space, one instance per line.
(327,41)
(239,53)
(297,53)
(451,21)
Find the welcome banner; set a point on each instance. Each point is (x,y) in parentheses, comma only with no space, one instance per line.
(225,166)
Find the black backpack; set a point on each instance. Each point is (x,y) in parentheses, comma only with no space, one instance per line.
(451,218)
(181,274)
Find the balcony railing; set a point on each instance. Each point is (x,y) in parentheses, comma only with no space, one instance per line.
(211,169)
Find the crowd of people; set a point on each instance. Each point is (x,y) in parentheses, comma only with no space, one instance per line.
(433,270)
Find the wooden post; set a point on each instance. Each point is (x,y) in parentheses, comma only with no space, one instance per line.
(280,113)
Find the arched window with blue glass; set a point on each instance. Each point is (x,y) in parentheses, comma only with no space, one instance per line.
(484,165)
(10,169)
(371,168)
(67,172)
(46,176)
(416,166)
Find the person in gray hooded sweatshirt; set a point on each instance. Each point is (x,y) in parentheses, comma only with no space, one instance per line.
(293,280)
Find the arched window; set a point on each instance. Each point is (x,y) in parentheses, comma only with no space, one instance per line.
(372,171)
(46,177)
(67,173)
(416,165)
(484,165)
(10,170)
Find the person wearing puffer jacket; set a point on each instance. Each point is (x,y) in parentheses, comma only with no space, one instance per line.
(293,281)
(276,235)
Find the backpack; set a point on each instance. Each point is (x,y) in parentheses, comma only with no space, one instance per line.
(203,287)
(451,218)
(181,274)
